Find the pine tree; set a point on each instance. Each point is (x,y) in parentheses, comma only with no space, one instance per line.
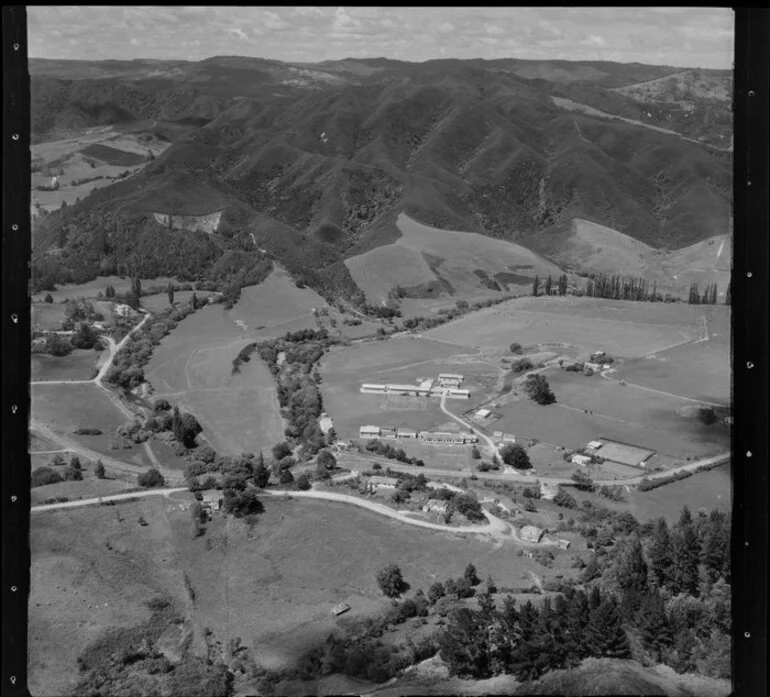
(194,301)
(715,545)
(548,284)
(686,553)
(535,285)
(170,291)
(632,571)
(578,617)
(727,292)
(176,425)
(605,634)
(653,624)
(660,553)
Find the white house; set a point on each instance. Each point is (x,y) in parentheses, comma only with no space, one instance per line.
(581,460)
(383,482)
(435,506)
(458,393)
(407,433)
(548,492)
(325,423)
(594,445)
(483,413)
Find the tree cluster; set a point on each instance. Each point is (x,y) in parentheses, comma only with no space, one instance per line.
(615,287)
(538,389)
(708,297)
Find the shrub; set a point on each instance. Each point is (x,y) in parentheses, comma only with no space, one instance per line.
(161,405)
(99,471)
(514,455)
(515,347)
(303,483)
(44,475)
(281,450)
(75,462)
(538,390)
(151,478)
(564,499)
(390,580)
(522,365)
(73,474)
(286,476)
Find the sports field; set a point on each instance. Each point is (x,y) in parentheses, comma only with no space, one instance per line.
(78,365)
(621,328)
(192,368)
(425,257)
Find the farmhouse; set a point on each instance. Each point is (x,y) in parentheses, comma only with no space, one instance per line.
(407,433)
(548,492)
(369,432)
(383,482)
(529,533)
(581,460)
(435,506)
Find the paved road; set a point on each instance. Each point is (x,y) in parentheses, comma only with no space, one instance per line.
(101,499)
(479,433)
(605,375)
(495,527)
(516,477)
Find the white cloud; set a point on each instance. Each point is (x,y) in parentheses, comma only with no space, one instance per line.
(494,29)
(274,21)
(446,27)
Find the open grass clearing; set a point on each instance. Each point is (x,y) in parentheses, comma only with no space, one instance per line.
(698,370)
(80,587)
(627,329)
(66,408)
(286,576)
(571,428)
(276,306)
(192,367)
(47,315)
(81,364)
(89,487)
(425,257)
(91,289)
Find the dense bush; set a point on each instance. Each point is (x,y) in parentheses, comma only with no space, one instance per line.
(390,580)
(151,478)
(538,390)
(45,475)
(515,455)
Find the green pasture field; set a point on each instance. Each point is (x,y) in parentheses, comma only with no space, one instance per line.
(628,330)
(639,409)
(159,301)
(276,306)
(78,365)
(81,587)
(707,490)
(47,315)
(571,428)
(91,289)
(192,368)
(165,453)
(283,578)
(38,443)
(89,487)
(66,408)
(698,371)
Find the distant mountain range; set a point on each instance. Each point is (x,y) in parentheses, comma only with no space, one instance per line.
(314,162)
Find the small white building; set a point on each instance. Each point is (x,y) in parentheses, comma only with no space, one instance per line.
(122,310)
(497,434)
(369,432)
(581,460)
(563,544)
(508,438)
(450,379)
(483,413)
(458,393)
(407,433)
(325,423)
(369,387)
(594,445)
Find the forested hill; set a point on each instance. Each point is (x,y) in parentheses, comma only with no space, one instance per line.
(312,162)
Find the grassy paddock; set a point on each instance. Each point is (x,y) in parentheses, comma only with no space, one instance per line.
(78,365)
(627,329)
(192,367)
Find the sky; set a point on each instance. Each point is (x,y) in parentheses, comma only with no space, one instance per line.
(682,37)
